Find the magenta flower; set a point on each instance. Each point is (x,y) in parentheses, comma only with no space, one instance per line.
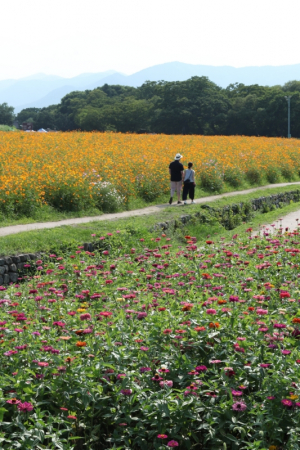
(85,316)
(201,368)
(168,383)
(25,407)
(13,401)
(287,403)
(172,444)
(239,406)
(236,393)
(145,369)
(211,311)
(10,352)
(162,436)
(126,391)
(286,352)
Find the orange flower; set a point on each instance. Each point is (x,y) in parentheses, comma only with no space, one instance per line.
(65,338)
(214,325)
(296,320)
(80,344)
(187,308)
(222,302)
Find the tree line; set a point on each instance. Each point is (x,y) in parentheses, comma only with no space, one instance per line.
(194,106)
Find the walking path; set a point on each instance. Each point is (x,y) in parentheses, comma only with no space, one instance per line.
(5,231)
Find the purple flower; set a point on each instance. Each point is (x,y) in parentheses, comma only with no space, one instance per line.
(25,407)
(126,391)
(145,369)
(239,406)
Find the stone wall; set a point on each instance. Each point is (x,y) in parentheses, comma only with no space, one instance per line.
(12,267)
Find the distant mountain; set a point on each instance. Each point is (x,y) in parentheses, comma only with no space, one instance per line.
(43,90)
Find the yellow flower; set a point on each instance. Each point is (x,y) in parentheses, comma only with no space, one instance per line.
(120,299)
(293,397)
(81,310)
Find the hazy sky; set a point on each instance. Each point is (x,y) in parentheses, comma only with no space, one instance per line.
(69,37)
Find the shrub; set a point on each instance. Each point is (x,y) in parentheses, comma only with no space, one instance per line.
(212,177)
(272,174)
(287,172)
(233,176)
(253,175)
(106,196)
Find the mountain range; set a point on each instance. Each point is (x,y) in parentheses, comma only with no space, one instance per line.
(42,90)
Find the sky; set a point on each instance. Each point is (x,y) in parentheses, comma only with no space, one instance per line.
(70,37)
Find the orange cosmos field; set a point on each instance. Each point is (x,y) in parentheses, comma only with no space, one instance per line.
(62,169)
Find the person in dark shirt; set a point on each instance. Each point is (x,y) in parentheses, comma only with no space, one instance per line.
(176,176)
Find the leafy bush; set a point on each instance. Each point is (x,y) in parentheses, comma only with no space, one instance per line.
(233,176)
(211,177)
(254,175)
(272,174)
(106,196)
(288,172)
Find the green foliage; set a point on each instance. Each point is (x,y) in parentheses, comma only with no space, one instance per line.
(272,174)
(106,197)
(194,106)
(212,179)
(287,172)
(6,114)
(233,176)
(253,175)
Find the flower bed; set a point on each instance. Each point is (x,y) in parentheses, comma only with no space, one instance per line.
(155,347)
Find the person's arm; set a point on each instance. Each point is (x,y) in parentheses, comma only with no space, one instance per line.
(182,175)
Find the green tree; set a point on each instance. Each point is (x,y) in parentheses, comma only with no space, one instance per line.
(6,114)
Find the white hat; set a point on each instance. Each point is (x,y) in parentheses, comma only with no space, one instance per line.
(178,156)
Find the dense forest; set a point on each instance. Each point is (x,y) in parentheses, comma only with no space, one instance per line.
(194,106)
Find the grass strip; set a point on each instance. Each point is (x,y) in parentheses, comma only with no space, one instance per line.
(60,238)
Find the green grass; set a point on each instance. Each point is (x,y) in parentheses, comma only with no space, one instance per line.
(7,128)
(60,238)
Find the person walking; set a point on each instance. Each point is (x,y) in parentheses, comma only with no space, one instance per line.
(188,184)
(176,176)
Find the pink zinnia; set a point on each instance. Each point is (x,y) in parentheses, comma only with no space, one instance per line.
(211,311)
(126,391)
(162,436)
(85,316)
(25,407)
(172,444)
(287,403)
(239,406)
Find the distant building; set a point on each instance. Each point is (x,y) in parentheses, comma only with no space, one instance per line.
(16,123)
(27,126)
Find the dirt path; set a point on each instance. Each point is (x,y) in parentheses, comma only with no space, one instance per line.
(290,222)
(5,231)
